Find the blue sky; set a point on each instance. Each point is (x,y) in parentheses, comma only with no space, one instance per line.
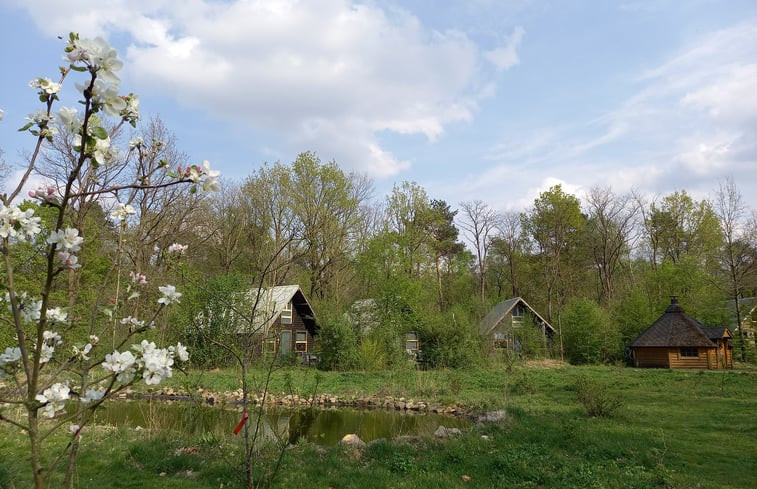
(482,99)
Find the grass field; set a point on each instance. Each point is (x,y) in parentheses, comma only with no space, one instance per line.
(677,429)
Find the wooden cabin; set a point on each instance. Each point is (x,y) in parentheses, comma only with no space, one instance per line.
(285,321)
(676,340)
(501,326)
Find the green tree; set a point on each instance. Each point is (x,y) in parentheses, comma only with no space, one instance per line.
(555,224)
(588,334)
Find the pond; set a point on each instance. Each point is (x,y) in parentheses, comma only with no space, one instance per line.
(320,426)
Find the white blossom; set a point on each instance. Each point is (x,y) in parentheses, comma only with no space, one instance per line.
(96,54)
(67,240)
(69,261)
(69,118)
(177,249)
(92,395)
(170,295)
(128,320)
(122,364)
(83,352)
(53,399)
(122,211)
(156,362)
(9,358)
(136,142)
(30,311)
(57,315)
(180,351)
(45,85)
(17,224)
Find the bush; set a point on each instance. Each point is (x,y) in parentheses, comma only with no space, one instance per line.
(597,399)
(338,343)
(588,334)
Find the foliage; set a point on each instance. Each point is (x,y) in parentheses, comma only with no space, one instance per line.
(339,345)
(597,399)
(208,318)
(588,334)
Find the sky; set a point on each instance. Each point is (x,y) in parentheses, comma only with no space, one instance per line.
(492,100)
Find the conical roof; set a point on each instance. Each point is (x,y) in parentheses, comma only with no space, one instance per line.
(673,329)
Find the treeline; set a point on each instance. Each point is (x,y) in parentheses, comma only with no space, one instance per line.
(599,267)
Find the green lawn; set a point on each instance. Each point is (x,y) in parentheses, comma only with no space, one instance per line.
(682,429)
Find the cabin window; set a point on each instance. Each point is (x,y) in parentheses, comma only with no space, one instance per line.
(500,341)
(301,342)
(517,321)
(411,343)
(269,345)
(689,352)
(286,313)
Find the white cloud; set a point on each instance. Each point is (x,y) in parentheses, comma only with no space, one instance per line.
(690,123)
(291,66)
(506,56)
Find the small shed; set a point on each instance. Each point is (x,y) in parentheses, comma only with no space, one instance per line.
(676,340)
(285,320)
(501,325)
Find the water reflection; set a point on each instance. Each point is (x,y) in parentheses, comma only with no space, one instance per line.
(323,427)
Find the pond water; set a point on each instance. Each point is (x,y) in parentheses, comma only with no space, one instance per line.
(320,426)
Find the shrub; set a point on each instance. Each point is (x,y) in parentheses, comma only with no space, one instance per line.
(597,399)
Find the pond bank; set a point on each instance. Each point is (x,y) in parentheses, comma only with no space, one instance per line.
(294,400)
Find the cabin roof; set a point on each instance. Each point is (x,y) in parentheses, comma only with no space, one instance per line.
(674,329)
(272,300)
(498,312)
(717,332)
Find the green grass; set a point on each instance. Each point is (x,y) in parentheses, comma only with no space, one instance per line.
(677,429)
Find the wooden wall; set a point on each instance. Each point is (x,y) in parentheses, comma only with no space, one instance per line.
(709,358)
(651,357)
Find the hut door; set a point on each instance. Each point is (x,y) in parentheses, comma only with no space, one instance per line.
(286,342)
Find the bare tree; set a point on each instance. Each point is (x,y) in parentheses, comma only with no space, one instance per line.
(479,222)
(737,253)
(610,226)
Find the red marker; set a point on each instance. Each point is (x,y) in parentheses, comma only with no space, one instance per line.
(241,423)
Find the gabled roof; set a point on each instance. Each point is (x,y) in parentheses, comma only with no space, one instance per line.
(271,302)
(498,313)
(717,333)
(674,329)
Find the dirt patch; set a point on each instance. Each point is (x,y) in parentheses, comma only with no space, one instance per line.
(546,364)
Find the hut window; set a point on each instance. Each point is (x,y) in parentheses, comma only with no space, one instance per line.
(517,321)
(301,342)
(500,341)
(286,313)
(689,352)
(411,342)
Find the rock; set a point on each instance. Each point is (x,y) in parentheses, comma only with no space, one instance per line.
(492,417)
(444,432)
(352,440)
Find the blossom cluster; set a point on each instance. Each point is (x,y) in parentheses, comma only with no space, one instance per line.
(177,249)
(53,399)
(17,224)
(170,295)
(122,212)
(8,360)
(45,193)
(206,177)
(68,242)
(155,364)
(29,310)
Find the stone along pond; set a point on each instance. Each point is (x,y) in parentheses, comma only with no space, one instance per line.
(320,426)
